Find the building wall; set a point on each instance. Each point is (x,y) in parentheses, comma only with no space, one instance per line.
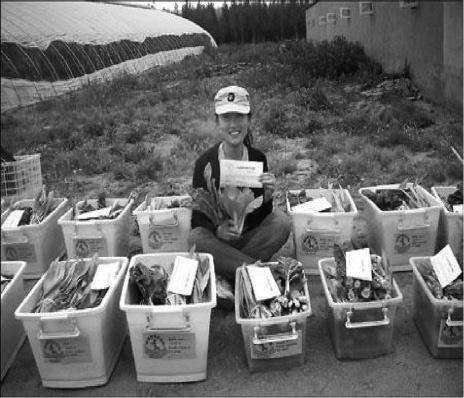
(397,37)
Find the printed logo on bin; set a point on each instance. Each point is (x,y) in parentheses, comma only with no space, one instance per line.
(155,347)
(82,248)
(309,243)
(263,350)
(53,350)
(155,240)
(11,253)
(402,243)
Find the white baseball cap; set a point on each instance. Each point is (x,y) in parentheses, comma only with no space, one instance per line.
(232,99)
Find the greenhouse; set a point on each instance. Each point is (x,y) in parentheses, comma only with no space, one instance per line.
(51,48)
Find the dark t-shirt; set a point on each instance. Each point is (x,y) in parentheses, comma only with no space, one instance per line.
(211,156)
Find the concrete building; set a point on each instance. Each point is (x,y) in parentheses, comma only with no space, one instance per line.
(424,35)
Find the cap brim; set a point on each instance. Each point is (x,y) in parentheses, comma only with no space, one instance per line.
(229,108)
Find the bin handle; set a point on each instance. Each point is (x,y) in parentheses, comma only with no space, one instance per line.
(170,225)
(6,240)
(274,338)
(335,229)
(186,327)
(99,229)
(450,322)
(416,226)
(58,335)
(357,325)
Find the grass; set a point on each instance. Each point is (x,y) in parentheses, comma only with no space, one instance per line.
(148,130)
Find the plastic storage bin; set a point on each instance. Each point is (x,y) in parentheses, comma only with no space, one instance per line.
(400,234)
(440,322)
(164,230)
(450,226)
(11,329)
(37,244)
(363,329)
(21,178)
(169,342)
(274,343)
(314,234)
(105,237)
(74,349)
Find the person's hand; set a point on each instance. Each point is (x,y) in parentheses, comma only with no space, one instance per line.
(269,182)
(227,231)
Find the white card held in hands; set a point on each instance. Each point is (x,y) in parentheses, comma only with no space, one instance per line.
(239,173)
(183,276)
(264,285)
(446,266)
(359,264)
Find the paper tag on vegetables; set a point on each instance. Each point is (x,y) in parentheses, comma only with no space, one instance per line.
(313,206)
(446,266)
(95,214)
(358,264)
(239,173)
(183,276)
(13,219)
(264,284)
(457,209)
(104,276)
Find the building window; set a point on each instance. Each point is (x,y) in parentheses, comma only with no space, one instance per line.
(408,3)
(345,13)
(322,20)
(331,17)
(366,7)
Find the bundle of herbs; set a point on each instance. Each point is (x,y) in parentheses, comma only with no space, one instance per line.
(152,283)
(159,203)
(402,198)
(453,291)
(337,199)
(453,199)
(291,281)
(86,210)
(68,286)
(227,203)
(347,289)
(43,205)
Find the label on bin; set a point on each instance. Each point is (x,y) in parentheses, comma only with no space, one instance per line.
(278,349)
(183,276)
(170,345)
(19,252)
(446,266)
(316,242)
(414,241)
(67,350)
(87,247)
(166,238)
(449,336)
(358,264)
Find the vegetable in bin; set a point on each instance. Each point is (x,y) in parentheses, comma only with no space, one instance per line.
(454,291)
(151,281)
(80,209)
(346,289)
(336,197)
(290,278)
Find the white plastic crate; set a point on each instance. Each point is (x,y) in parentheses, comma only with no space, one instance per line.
(37,244)
(401,234)
(164,230)
(21,178)
(169,342)
(450,226)
(75,349)
(105,237)
(274,343)
(12,330)
(440,322)
(314,234)
(363,329)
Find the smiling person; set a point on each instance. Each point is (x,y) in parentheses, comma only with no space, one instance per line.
(265,229)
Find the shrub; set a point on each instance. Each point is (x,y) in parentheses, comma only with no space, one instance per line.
(149,168)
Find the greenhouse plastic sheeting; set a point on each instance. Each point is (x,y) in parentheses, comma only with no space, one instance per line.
(50,48)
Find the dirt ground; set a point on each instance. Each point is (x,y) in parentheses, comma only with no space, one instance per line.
(409,371)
